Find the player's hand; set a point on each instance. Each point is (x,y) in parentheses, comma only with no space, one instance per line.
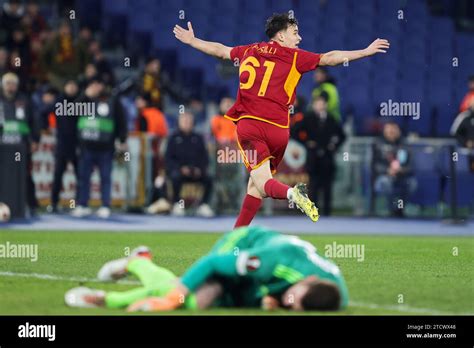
(270,303)
(151,304)
(378,46)
(183,35)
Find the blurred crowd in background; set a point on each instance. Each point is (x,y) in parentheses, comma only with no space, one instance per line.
(49,59)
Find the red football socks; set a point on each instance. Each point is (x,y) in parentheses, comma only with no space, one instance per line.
(275,189)
(249,209)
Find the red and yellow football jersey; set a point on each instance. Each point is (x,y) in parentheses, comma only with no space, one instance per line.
(269,74)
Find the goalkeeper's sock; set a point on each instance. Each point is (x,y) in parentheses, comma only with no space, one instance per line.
(275,189)
(249,209)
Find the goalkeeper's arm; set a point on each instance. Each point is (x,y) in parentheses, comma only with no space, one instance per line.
(193,279)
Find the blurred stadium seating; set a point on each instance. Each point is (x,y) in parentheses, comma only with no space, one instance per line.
(418,68)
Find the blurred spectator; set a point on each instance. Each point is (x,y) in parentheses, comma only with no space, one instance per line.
(62,58)
(90,73)
(187,161)
(20,59)
(321,135)
(104,70)
(393,172)
(150,119)
(463,130)
(19,127)
(96,135)
(298,110)
(33,22)
(223,129)
(228,181)
(469,97)
(463,127)
(66,143)
(157,82)
(35,27)
(326,84)
(85,38)
(46,110)
(10,18)
(150,81)
(4,61)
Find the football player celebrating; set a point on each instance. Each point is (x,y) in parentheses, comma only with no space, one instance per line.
(269,74)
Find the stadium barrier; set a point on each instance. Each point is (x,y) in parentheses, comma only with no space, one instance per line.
(441,180)
(13,178)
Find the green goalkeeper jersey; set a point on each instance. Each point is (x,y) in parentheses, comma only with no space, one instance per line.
(254,261)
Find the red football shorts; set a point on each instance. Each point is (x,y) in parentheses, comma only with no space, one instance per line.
(260,141)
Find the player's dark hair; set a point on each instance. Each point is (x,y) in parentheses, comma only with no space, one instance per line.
(323,70)
(321,296)
(146,97)
(391,123)
(150,59)
(51,90)
(277,22)
(95,79)
(323,96)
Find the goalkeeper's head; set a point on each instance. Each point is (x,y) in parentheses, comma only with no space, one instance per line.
(312,294)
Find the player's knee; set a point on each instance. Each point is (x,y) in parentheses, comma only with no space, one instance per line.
(256,187)
(259,179)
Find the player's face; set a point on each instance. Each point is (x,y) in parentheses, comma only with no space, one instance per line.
(471,85)
(320,76)
(226,104)
(140,103)
(291,37)
(185,122)
(391,132)
(319,106)
(71,88)
(10,88)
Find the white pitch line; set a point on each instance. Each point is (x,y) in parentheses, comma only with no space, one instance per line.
(399,308)
(404,308)
(70,279)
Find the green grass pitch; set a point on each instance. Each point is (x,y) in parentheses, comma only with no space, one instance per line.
(427,272)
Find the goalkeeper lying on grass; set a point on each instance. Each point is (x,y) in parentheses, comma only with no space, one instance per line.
(249,267)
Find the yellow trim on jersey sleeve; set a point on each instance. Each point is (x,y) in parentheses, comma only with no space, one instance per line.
(292,79)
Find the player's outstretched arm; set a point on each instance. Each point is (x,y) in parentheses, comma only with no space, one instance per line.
(194,278)
(333,58)
(214,49)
